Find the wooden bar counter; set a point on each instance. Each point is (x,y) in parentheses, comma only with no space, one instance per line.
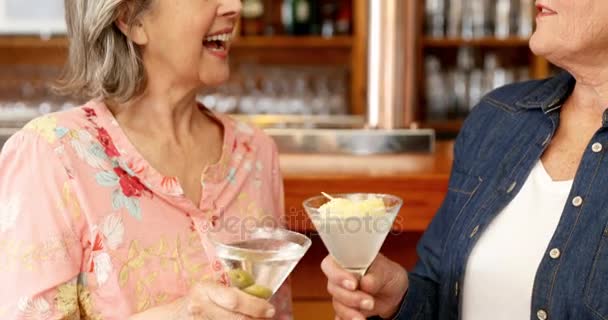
(421,180)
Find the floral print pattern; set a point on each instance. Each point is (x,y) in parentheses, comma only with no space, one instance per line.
(9,211)
(106,142)
(129,189)
(101,216)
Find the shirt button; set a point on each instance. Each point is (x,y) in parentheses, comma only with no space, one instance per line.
(597,147)
(577,201)
(542,314)
(555,253)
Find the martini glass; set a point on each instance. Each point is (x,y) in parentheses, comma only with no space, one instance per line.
(259,260)
(354,240)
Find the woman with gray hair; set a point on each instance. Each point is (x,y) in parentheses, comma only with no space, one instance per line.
(104,208)
(523,230)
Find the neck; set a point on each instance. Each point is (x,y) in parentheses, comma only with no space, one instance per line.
(590,99)
(164,111)
(591,90)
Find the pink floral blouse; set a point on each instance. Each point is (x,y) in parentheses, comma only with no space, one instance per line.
(88,229)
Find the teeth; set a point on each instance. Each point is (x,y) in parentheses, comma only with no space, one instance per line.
(545,10)
(220,37)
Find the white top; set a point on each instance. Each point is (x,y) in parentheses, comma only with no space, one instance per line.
(502,266)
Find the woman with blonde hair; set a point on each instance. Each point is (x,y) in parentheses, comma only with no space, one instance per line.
(104,208)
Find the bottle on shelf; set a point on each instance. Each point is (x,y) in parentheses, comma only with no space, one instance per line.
(344,17)
(461,81)
(473,19)
(270,27)
(452,89)
(497,76)
(503,19)
(435,90)
(455,14)
(252,18)
(468,20)
(479,18)
(435,18)
(476,88)
(316,17)
(287,16)
(526,18)
(315,20)
(328,16)
(302,17)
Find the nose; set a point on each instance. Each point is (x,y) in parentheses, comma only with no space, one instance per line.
(230,8)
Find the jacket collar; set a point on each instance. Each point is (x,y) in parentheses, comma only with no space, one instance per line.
(550,95)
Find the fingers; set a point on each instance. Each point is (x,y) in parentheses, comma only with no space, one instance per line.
(234,300)
(388,277)
(352,299)
(344,312)
(379,291)
(215,312)
(200,307)
(337,274)
(371,283)
(218,302)
(377,274)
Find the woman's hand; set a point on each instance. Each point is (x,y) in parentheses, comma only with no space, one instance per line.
(211,301)
(379,292)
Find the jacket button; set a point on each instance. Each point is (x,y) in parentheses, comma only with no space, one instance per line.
(597,147)
(555,253)
(577,201)
(542,314)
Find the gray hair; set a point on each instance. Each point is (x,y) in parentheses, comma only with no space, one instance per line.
(102,61)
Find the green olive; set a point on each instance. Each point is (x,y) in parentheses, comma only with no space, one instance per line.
(240,278)
(258,291)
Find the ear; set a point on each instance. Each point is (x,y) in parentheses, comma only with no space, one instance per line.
(134,30)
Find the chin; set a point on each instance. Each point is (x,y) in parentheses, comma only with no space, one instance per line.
(540,45)
(555,52)
(214,79)
(545,48)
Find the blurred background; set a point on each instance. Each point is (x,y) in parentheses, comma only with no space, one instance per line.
(360,95)
(308,58)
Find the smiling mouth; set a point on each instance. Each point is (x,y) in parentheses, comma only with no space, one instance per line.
(218,42)
(543,11)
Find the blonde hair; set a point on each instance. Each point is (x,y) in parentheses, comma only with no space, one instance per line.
(102,61)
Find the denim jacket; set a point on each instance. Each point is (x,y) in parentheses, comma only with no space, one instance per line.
(502,139)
